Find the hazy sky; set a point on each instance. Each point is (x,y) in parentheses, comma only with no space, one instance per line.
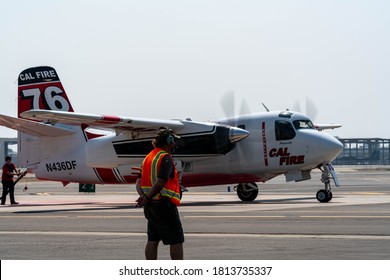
(176,59)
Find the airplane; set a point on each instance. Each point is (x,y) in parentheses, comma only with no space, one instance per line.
(58,144)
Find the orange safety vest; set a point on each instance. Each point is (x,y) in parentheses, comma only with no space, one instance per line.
(150,167)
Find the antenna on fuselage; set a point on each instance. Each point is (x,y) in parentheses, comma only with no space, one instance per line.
(265,106)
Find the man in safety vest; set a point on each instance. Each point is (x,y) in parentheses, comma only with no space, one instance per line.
(159,190)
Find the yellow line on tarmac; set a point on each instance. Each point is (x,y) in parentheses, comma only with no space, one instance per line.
(333,211)
(347,217)
(369,193)
(232,217)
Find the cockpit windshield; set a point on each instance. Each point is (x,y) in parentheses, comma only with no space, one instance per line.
(284,130)
(303,124)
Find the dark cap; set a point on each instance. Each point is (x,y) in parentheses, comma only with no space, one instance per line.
(165,136)
(165,131)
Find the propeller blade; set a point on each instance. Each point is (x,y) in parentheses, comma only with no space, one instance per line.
(227,103)
(311,109)
(297,107)
(244,110)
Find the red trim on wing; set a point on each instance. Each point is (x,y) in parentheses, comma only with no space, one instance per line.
(109,120)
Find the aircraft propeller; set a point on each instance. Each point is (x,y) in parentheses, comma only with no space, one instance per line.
(228,104)
(246,191)
(310,108)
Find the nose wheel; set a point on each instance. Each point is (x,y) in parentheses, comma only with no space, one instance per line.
(326,195)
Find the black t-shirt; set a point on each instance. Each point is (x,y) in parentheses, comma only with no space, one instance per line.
(166,170)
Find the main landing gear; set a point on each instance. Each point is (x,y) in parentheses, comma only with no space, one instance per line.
(247,191)
(328,173)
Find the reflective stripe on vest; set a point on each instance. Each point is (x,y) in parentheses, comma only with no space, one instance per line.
(150,167)
(156,162)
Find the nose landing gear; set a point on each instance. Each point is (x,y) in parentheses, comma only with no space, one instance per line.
(328,173)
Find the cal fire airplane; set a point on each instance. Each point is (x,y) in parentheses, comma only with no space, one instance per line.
(55,143)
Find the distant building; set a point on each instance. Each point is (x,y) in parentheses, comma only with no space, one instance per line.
(364,151)
(9,147)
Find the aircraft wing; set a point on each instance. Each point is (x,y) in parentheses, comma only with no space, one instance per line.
(33,128)
(101,121)
(326,126)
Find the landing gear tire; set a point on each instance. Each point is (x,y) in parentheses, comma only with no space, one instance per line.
(327,170)
(247,191)
(324,196)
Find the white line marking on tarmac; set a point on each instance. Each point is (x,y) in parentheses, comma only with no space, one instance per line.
(198,217)
(73,217)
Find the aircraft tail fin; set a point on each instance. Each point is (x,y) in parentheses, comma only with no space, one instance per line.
(38,88)
(41,88)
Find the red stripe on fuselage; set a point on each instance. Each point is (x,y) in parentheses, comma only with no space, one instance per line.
(89,135)
(130,179)
(264,143)
(107,175)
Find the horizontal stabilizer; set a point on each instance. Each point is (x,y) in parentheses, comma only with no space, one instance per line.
(326,126)
(101,121)
(33,128)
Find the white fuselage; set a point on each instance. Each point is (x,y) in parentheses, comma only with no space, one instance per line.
(279,143)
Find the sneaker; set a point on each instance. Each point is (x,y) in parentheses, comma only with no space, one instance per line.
(15,202)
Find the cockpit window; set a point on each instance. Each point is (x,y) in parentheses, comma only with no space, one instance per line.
(303,124)
(284,130)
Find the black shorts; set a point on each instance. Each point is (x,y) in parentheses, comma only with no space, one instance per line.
(164,223)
